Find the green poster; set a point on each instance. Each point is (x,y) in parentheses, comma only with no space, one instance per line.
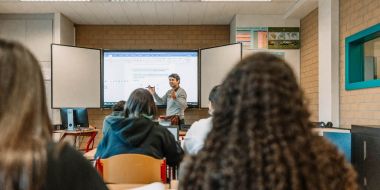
(283,38)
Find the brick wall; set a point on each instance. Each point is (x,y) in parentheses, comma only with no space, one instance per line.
(150,37)
(309,61)
(357,106)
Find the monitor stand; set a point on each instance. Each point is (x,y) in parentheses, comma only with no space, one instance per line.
(70,119)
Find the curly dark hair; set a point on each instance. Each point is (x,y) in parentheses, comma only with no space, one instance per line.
(261,137)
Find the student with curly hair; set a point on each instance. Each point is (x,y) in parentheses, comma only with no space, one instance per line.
(261,137)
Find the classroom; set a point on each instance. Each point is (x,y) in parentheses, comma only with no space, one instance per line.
(93,53)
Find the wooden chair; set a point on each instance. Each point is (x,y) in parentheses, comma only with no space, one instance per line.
(132,169)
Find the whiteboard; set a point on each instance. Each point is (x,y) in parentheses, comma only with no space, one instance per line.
(75,77)
(215,64)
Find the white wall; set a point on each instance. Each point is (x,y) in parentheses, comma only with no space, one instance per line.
(38,32)
(233,30)
(265,21)
(328,40)
(64,30)
(64,33)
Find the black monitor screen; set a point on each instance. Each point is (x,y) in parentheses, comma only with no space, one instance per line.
(80,117)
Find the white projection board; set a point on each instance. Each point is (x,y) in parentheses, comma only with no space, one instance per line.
(216,62)
(75,77)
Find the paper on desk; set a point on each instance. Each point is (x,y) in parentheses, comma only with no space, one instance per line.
(152,186)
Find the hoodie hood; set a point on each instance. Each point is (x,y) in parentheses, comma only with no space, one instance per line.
(132,131)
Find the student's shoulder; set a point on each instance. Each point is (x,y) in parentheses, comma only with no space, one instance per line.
(159,128)
(182,90)
(202,122)
(63,151)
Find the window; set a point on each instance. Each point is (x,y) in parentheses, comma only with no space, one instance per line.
(363,59)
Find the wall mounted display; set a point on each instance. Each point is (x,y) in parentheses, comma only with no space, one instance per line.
(362,59)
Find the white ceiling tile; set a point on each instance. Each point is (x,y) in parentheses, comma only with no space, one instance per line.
(69,12)
(81,12)
(103,12)
(149,10)
(116,12)
(8,7)
(197,12)
(133,12)
(99,13)
(181,13)
(165,12)
(213,12)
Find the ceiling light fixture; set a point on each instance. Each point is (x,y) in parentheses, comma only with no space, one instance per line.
(144,0)
(55,0)
(237,0)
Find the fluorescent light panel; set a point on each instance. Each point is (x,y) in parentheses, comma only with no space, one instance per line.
(55,0)
(144,0)
(189,0)
(237,0)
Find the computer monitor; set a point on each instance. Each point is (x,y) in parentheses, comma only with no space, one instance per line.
(73,118)
(174,130)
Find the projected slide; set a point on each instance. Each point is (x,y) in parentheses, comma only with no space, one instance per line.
(124,71)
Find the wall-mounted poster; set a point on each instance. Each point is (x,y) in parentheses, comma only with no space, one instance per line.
(252,37)
(283,38)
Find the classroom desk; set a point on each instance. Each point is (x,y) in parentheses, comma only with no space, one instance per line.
(76,133)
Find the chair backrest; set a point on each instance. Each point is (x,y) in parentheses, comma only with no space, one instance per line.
(132,168)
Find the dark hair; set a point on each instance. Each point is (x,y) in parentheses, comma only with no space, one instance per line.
(214,95)
(140,102)
(119,106)
(24,121)
(262,139)
(175,75)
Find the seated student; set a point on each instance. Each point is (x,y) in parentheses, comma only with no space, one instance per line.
(117,111)
(28,157)
(138,133)
(262,139)
(195,136)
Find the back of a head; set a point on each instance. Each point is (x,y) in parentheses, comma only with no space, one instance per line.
(24,122)
(140,103)
(261,136)
(214,95)
(119,106)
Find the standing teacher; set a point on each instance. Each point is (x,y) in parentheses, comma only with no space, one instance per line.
(175,98)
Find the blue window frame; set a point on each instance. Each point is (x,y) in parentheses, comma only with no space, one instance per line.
(356,62)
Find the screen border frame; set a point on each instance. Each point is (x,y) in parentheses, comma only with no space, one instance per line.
(148,50)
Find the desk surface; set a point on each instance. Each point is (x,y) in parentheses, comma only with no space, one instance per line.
(76,131)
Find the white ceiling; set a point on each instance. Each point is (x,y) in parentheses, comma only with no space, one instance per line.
(187,12)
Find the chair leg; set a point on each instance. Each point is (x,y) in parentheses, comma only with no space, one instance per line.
(91,142)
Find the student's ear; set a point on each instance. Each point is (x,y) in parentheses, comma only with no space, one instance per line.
(210,108)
